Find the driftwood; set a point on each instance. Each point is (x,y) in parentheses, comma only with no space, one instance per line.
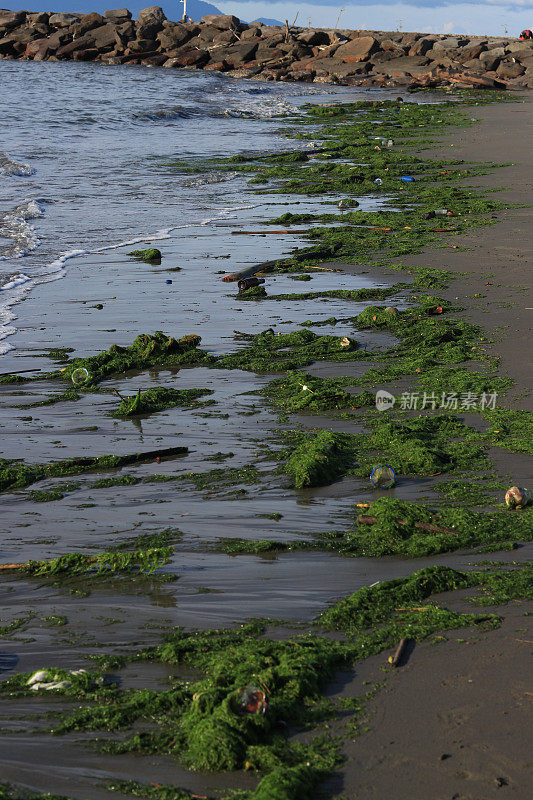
(366,519)
(397,657)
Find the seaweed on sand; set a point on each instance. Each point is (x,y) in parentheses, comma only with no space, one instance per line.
(373,605)
(412,530)
(17,475)
(270,352)
(158,399)
(147,350)
(318,458)
(108,562)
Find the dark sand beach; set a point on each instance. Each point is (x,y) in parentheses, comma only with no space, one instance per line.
(450,722)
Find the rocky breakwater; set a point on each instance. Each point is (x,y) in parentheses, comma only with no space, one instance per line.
(224,43)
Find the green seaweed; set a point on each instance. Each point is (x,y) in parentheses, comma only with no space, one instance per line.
(319,458)
(151,255)
(147,350)
(16,475)
(158,399)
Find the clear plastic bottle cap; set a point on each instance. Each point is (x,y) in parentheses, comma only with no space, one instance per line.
(383,476)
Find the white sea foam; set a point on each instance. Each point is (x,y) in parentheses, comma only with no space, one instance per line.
(15,226)
(16,168)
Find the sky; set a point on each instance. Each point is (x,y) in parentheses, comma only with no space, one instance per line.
(482,17)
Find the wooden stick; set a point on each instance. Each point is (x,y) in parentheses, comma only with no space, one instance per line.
(396,658)
(366,519)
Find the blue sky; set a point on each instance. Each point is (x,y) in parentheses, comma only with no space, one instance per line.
(494,17)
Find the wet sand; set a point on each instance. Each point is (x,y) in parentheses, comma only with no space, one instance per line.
(469,698)
(292,586)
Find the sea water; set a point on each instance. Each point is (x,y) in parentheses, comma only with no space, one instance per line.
(82,156)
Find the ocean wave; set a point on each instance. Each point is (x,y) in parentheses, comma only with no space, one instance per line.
(12,281)
(15,226)
(17,168)
(210,177)
(265,109)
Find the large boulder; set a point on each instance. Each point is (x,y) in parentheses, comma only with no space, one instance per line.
(172,37)
(63,20)
(421,46)
(236,55)
(87,23)
(117,14)
(359,49)
(10,20)
(222,21)
(406,65)
(510,69)
(151,21)
(105,38)
(312,38)
(450,43)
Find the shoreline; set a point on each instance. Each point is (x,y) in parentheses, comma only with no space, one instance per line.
(298,786)
(285,53)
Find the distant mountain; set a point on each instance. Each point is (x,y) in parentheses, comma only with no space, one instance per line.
(267,21)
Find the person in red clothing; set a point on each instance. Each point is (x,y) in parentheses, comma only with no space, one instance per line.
(525,35)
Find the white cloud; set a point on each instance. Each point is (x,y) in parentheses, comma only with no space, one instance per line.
(490,17)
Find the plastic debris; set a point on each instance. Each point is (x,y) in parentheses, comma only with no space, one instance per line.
(378,182)
(517,497)
(168,280)
(248,283)
(407,178)
(383,476)
(47,680)
(80,376)
(253,700)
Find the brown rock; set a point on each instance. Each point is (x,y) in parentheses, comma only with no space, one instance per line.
(38,18)
(389,46)
(37,46)
(421,46)
(474,65)
(251,33)
(150,22)
(236,55)
(10,20)
(312,38)
(192,57)
(142,46)
(510,69)
(85,55)
(87,23)
(222,21)
(105,37)
(78,44)
(117,14)
(219,66)
(359,49)
(225,37)
(169,38)
(410,65)
(154,60)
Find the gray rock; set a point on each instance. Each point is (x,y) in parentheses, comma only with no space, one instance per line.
(116,14)
(450,43)
(63,20)
(222,21)
(105,37)
(313,38)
